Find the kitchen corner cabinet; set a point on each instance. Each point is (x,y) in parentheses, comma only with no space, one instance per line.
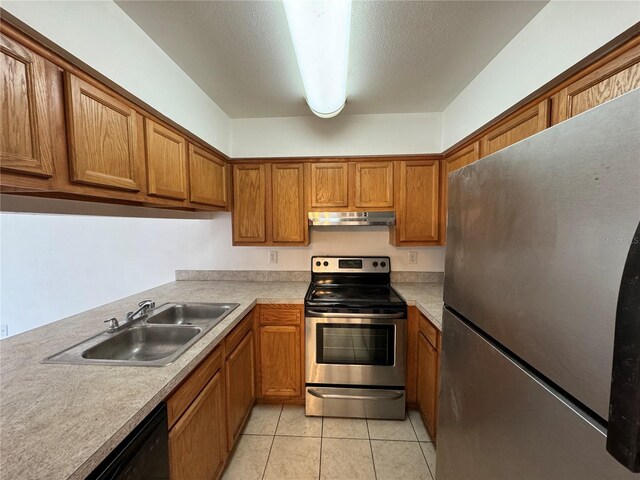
(104,134)
(463,157)
(516,128)
(417,203)
(281,353)
(166,161)
(612,79)
(197,421)
(239,377)
(28,84)
(208,178)
(269,204)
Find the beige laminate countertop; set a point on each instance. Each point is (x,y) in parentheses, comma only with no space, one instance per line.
(60,421)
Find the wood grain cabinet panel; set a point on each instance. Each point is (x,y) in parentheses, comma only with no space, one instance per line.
(26,143)
(451,163)
(208,178)
(280,361)
(329,185)
(523,125)
(614,78)
(427,383)
(417,206)
(249,209)
(197,443)
(240,386)
(289,223)
(103,137)
(373,184)
(166,161)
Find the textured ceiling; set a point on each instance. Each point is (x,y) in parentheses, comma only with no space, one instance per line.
(405,56)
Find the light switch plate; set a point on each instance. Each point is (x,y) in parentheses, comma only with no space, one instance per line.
(413,257)
(273,256)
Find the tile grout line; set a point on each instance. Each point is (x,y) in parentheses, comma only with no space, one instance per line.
(321,437)
(373,460)
(420,445)
(273,438)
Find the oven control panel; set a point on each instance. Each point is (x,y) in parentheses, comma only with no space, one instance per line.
(350,264)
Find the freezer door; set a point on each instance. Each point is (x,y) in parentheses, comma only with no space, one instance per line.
(538,236)
(498,421)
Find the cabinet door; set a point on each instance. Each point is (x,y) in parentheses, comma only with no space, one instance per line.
(427,382)
(373,184)
(207,178)
(329,185)
(453,162)
(249,204)
(197,442)
(240,377)
(417,209)
(26,143)
(166,161)
(103,138)
(523,125)
(287,203)
(280,361)
(616,77)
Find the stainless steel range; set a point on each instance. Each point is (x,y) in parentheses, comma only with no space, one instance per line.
(356,326)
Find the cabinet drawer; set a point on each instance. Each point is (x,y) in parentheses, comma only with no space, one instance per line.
(188,390)
(238,333)
(280,314)
(428,330)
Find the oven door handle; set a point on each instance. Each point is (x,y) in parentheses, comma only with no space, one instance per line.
(335,396)
(316,313)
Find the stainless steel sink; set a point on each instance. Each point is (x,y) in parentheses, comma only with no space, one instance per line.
(143,344)
(155,339)
(190,313)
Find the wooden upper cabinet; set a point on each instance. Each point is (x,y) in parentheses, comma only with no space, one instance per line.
(373,184)
(289,223)
(249,209)
(208,178)
(521,126)
(417,203)
(618,76)
(329,185)
(166,161)
(103,137)
(26,143)
(451,163)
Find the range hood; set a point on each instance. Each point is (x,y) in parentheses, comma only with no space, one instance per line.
(325,219)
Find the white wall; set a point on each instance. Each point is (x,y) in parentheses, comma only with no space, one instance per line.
(56,265)
(324,241)
(562,34)
(341,135)
(100,34)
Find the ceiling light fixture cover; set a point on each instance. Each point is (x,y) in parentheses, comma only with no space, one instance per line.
(320,31)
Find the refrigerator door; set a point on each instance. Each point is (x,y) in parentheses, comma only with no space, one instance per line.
(498,421)
(538,236)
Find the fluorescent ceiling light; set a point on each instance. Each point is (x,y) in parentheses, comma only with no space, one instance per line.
(320,32)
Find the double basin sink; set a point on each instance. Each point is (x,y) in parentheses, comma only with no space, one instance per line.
(155,339)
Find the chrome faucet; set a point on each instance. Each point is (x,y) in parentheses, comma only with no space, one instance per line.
(145,306)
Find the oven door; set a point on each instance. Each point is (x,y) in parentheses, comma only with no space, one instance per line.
(356,350)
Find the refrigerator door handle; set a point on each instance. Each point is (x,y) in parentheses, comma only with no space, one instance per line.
(623,430)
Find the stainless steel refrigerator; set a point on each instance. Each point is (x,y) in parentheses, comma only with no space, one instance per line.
(542,304)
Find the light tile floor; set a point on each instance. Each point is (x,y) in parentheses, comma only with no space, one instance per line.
(280,443)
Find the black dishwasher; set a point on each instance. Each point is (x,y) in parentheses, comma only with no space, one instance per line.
(144,454)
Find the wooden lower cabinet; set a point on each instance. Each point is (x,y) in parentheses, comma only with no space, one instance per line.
(198,441)
(240,385)
(427,383)
(280,357)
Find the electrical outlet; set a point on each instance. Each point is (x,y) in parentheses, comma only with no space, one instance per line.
(4,331)
(273,256)
(413,257)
